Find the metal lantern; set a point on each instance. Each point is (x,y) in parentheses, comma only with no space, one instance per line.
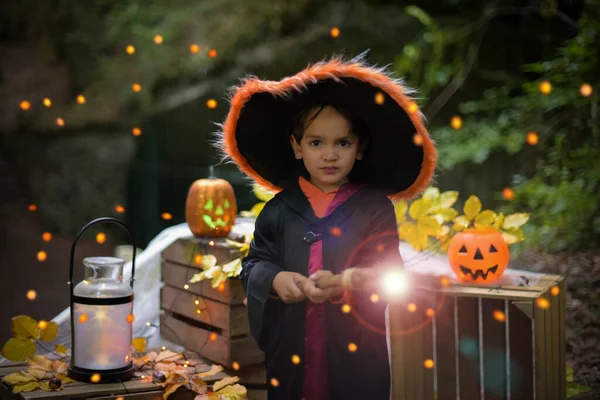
(101,317)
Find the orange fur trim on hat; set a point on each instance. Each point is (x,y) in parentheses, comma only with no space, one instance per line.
(334,69)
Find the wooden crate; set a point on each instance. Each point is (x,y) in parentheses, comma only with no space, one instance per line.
(482,343)
(221,332)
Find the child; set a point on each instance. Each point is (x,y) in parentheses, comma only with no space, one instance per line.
(337,141)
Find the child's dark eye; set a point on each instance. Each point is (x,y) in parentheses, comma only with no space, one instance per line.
(345,143)
(314,143)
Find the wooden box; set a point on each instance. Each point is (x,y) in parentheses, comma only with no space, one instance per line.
(221,332)
(472,342)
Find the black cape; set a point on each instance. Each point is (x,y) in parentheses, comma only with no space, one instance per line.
(279,245)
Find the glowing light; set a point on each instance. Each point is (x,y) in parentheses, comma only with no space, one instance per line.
(585,90)
(60,122)
(198,312)
(555,291)
(221,287)
(352,347)
(47,102)
(100,315)
(120,209)
(158,39)
(83,318)
(31,295)
(429,363)
(197,302)
(42,324)
(296,359)
(46,236)
(418,139)
(213,337)
(412,307)
(274,382)
(499,316)
(211,103)
(429,312)
(187,362)
(130,318)
(148,324)
(412,107)
(212,53)
(25,105)
(445,281)
(532,138)
(81,99)
(456,122)
(136,87)
(42,256)
(163,348)
(335,32)
(32,207)
(394,283)
(166,216)
(95,378)
(335,231)
(379,98)
(130,49)
(379,248)
(545,87)
(508,194)
(198,259)
(186,286)
(136,131)
(194,48)
(235,365)
(543,303)
(346,308)
(211,243)
(374,297)
(101,237)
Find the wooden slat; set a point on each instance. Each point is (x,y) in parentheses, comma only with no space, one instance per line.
(233,320)
(177,275)
(256,394)
(223,351)
(250,374)
(408,335)
(521,354)
(540,352)
(428,302)
(397,350)
(468,348)
(494,350)
(490,293)
(184,250)
(181,394)
(552,386)
(562,326)
(446,350)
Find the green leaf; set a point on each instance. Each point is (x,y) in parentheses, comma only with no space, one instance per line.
(18,349)
(513,221)
(472,207)
(574,389)
(419,208)
(50,332)
(485,219)
(25,387)
(25,327)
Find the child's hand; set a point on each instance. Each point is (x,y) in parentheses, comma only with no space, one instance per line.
(288,286)
(317,295)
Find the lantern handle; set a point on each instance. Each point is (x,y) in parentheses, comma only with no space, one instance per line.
(96,221)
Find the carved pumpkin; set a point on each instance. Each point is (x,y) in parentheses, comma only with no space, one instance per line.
(210,207)
(478,255)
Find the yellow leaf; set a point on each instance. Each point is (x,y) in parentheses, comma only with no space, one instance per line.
(429,225)
(38,373)
(460,223)
(514,221)
(198,385)
(218,279)
(485,219)
(59,367)
(445,215)
(418,238)
(208,261)
(18,349)
(261,193)
(49,333)
(139,344)
(233,268)
(215,369)
(168,356)
(60,349)
(419,208)
(234,390)
(499,221)
(400,208)
(512,236)
(257,208)
(172,388)
(431,194)
(198,277)
(25,327)
(447,199)
(224,382)
(64,379)
(472,207)
(25,387)
(405,230)
(18,378)
(45,386)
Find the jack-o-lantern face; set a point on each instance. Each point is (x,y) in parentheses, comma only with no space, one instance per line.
(210,207)
(478,255)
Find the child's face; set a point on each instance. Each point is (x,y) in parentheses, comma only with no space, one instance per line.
(328,149)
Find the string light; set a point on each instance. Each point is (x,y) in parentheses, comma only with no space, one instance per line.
(352,347)
(335,32)
(221,287)
(101,237)
(25,105)
(235,365)
(346,308)
(95,378)
(379,98)
(412,107)
(198,259)
(274,382)
(186,286)
(295,359)
(543,303)
(120,209)
(197,302)
(213,337)
(166,216)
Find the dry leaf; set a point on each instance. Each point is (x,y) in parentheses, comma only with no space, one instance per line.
(168,356)
(60,349)
(224,382)
(171,389)
(49,333)
(59,367)
(40,362)
(18,349)
(139,344)
(64,379)
(25,387)
(215,369)
(25,327)
(18,378)
(233,392)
